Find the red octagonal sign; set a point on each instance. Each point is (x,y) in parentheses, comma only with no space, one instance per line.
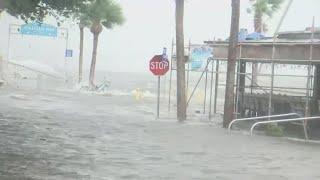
(158,65)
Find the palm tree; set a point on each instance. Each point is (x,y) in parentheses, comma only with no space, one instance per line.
(84,22)
(261,9)
(232,56)
(181,87)
(101,13)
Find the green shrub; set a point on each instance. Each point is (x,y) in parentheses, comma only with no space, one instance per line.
(274,130)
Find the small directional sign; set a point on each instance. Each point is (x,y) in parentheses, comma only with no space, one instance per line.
(69,53)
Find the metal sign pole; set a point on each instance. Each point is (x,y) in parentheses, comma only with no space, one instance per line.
(170,79)
(216,87)
(159,66)
(158,99)
(65,56)
(205,89)
(9,43)
(211,89)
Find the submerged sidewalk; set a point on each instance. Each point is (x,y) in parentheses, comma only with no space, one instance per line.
(75,136)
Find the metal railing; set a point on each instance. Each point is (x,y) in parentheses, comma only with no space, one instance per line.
(261,117)
(282,120)
(35,71)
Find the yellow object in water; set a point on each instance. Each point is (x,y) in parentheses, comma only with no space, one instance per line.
(138,94)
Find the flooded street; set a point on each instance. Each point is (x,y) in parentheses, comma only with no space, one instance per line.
(75,136)
(92,90)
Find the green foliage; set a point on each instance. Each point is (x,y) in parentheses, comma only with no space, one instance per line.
(105,12)
(22,8)
(274,130)
(2,6)
(84,21)
(38,9)
(265,7)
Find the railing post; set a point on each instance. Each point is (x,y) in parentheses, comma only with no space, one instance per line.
(216,88)
(211,89)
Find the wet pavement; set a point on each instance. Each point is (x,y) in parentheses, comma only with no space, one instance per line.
(57,135)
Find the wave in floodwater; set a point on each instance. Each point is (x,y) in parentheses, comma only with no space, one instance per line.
(76,136)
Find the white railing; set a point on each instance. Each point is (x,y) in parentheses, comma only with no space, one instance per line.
(282,120)
(261,117)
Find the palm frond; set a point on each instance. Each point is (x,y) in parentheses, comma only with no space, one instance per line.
(266,7)
(106,12)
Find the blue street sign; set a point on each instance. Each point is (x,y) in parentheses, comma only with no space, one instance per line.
(37,29)
(69,53)
(164,54)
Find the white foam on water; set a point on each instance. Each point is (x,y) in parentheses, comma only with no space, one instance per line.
(149,94)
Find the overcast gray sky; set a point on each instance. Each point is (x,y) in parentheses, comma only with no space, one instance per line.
(149,27)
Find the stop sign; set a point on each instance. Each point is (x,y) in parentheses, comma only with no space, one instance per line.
(158,65)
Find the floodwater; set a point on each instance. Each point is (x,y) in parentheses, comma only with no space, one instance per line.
(59,135)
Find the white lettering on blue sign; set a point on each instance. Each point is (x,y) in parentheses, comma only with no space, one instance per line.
(37,29)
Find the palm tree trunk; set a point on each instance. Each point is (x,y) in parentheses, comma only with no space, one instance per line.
(94,59)
(1,68)
(258,23)
(181,86)
(257,28)
(232,56)
(81,53)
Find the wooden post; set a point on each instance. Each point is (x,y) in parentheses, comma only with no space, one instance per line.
(232,57)
(242,84)
(308,94)
(181,81)
(1,68)
(316,91)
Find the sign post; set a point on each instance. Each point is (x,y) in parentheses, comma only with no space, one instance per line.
(159,66)
(158,99)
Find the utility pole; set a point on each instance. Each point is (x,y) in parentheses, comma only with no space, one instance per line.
(1,68)
(232,57)
(181,80)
